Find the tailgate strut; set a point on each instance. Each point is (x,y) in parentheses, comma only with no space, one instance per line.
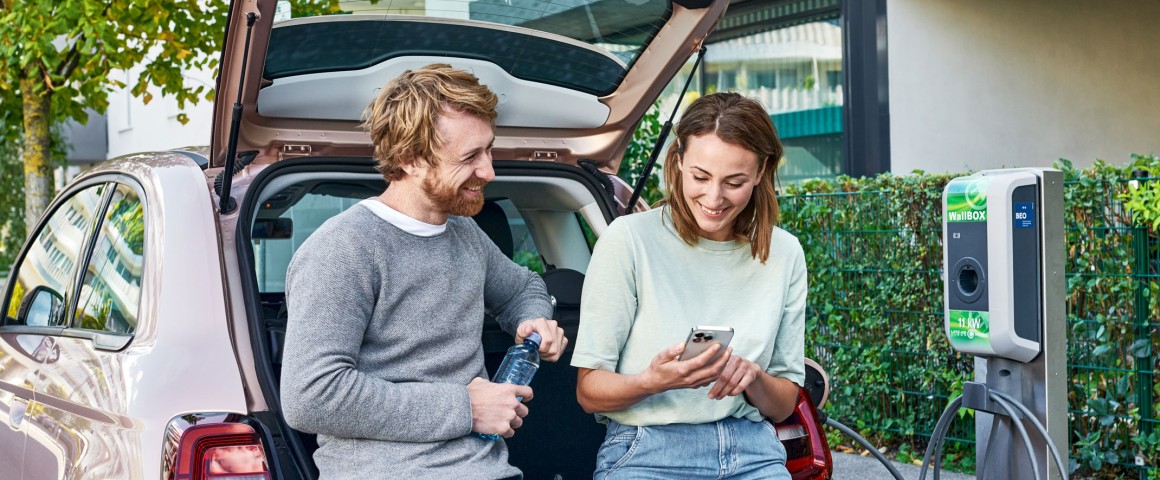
(226,177)
(652,158)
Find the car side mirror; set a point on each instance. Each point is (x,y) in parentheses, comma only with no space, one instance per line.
(40,307)
(817,383)
(272,228)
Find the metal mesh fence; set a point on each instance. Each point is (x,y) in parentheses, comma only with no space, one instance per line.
(875,320)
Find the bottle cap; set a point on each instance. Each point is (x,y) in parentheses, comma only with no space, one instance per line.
(535,339)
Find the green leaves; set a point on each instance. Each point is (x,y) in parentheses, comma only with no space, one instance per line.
(637,153)
(1141,348)
(12,229)
(1112,310)
(1142,197)
(874,254)
(874,251)
(65,50)
(71,46)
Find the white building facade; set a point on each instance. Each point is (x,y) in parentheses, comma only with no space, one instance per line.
(861,87)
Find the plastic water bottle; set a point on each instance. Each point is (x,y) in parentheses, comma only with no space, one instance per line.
(520,363)
(518,367)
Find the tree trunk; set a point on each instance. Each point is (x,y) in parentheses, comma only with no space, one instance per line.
(37,144)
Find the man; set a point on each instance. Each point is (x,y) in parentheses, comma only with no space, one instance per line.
(383,358)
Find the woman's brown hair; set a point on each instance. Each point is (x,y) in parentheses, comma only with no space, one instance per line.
(742,122)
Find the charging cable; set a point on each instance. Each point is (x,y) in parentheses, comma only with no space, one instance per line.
(938,435)
(849,432)
(938,439)
(1009,406)
(1022,434)
(980,397)
(1038,426)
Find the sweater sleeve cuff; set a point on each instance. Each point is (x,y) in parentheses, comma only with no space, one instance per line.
(461,424)
(444,413)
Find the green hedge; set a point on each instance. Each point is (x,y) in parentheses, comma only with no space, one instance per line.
(874,249)
(11,204)
(12,228)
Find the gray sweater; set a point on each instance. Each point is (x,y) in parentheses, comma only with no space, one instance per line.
(382,339)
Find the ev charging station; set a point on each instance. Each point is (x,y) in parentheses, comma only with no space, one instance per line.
(1005,297)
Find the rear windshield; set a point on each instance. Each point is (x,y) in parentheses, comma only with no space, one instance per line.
(584,45)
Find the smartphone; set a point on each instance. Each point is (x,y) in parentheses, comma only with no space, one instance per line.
(702,337)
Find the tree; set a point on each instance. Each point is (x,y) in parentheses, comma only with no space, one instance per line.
(60,57)
(12,227)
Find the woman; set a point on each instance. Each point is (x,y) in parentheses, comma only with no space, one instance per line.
(712,255)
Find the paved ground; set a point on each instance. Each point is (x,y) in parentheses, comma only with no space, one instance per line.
(848,466)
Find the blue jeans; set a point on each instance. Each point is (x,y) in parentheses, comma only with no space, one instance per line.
(733,448)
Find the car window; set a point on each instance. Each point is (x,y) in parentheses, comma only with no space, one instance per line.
(276,240)
(274,247)
(603,39)
(43,281)
(111,291)
(524,250)
(589,234)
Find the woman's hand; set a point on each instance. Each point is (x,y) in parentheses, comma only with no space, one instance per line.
(605,391)
(737,375)
(666,372)
(774,397)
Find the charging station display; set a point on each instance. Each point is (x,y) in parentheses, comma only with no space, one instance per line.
(968,317)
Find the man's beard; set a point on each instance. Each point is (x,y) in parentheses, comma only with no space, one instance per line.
(450,200)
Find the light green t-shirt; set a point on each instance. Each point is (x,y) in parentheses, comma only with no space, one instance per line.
(646,288)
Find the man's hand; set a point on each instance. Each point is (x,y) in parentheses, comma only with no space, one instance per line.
(552,340)
(734,378)
(667,373)
(495,408)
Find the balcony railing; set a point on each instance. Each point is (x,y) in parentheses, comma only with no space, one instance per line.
(784,100)
(778,100)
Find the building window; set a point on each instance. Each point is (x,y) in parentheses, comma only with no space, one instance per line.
(789,57)
(795,72)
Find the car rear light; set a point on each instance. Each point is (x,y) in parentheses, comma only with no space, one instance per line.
(219,451)
(807,452)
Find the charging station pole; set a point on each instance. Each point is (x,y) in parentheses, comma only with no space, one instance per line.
(1005,297)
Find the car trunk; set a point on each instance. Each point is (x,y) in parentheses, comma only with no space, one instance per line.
(284,202)
(573,80)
